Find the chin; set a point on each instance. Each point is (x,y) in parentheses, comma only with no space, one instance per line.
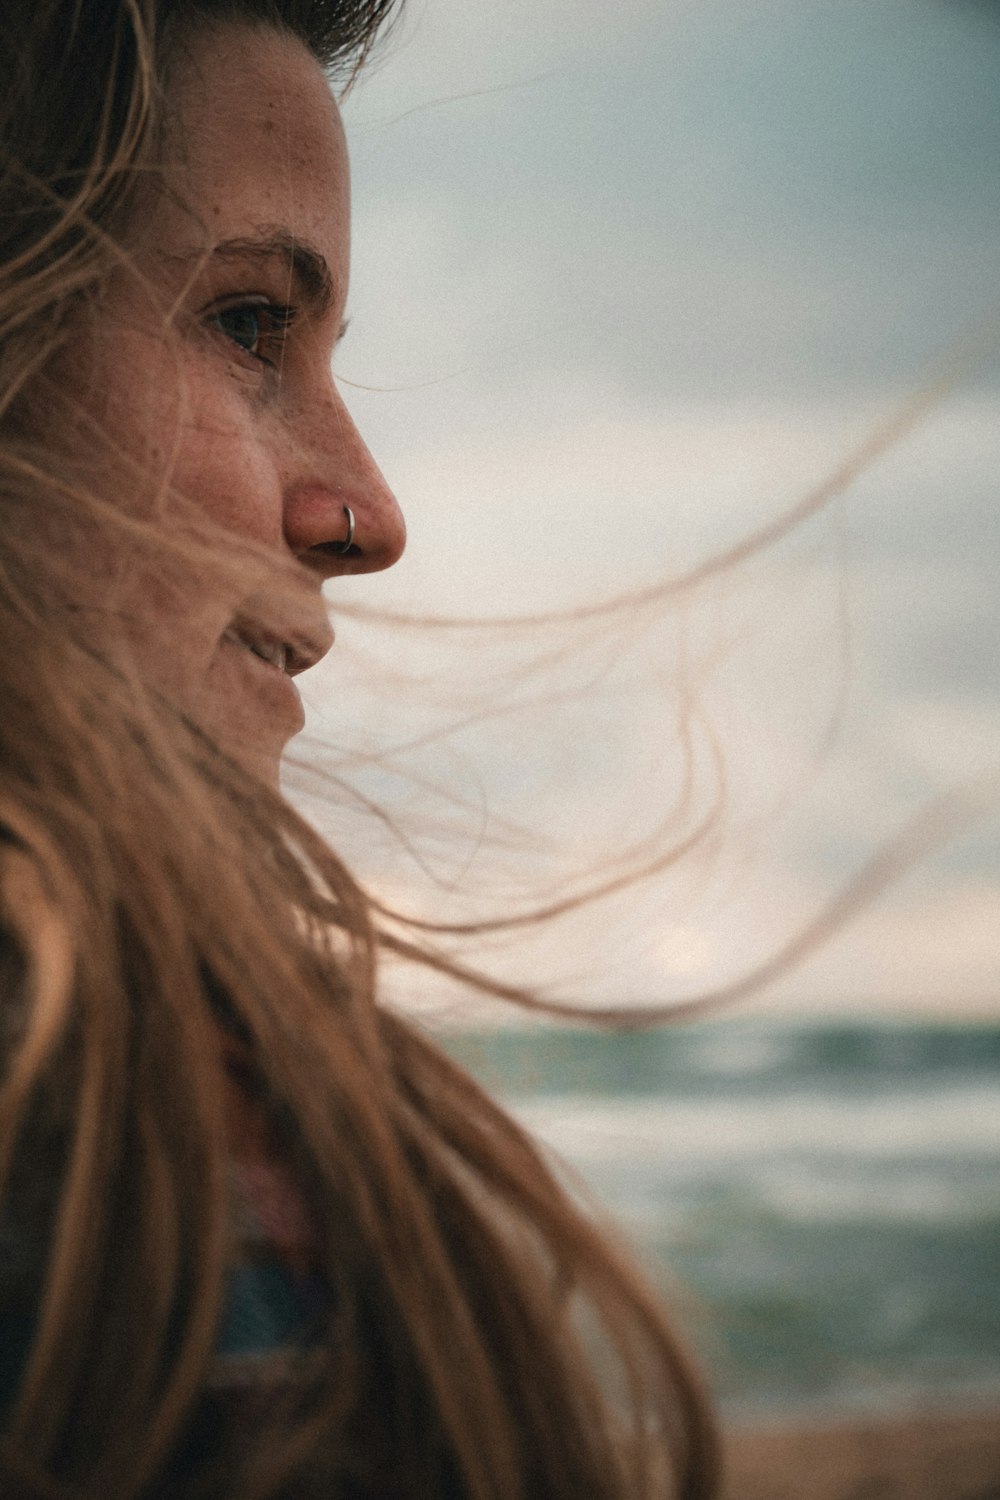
(258,753)
(251,709)
(262,762)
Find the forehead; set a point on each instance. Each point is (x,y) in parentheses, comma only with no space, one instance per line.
(254,137)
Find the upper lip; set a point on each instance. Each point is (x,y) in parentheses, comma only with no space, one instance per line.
(294,648)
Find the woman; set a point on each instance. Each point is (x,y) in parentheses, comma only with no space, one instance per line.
(257,1236)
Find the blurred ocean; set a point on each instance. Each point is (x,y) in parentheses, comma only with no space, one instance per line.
(821,1202)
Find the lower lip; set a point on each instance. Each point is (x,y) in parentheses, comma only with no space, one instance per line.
(269,686)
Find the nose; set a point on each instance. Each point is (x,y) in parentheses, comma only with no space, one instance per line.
(340,475)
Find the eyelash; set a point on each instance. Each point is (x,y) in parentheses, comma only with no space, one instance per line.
(272,321)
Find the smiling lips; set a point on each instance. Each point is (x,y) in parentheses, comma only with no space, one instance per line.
(290,657)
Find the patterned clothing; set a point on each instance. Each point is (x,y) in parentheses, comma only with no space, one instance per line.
(275,1293)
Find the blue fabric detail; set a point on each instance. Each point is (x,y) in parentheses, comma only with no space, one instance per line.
(267,1309)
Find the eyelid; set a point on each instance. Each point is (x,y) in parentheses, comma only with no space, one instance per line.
(280,316)
(283,313)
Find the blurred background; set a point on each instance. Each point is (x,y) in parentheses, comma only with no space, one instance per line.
(629,283)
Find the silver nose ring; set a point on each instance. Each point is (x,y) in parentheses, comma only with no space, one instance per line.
(347,544)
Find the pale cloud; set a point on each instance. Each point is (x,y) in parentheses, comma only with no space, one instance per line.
(652,282)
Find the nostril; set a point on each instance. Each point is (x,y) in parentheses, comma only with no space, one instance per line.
(331,536)
(334,549)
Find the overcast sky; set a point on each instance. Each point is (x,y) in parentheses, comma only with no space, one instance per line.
(628,281)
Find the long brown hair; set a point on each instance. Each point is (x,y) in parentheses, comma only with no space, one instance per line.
(482,1339)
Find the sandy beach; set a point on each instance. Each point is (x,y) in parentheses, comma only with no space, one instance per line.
(924,1456)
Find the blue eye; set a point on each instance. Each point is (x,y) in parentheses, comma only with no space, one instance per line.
(258,328)
(242,325)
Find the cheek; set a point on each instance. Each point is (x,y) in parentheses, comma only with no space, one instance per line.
(163,419)
(132,390)
(223,467)
(199,488)
(176,442)
(121,434)
(225,489)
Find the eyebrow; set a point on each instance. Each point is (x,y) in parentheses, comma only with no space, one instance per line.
(305,265)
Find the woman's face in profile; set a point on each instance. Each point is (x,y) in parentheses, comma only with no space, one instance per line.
(209,367)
